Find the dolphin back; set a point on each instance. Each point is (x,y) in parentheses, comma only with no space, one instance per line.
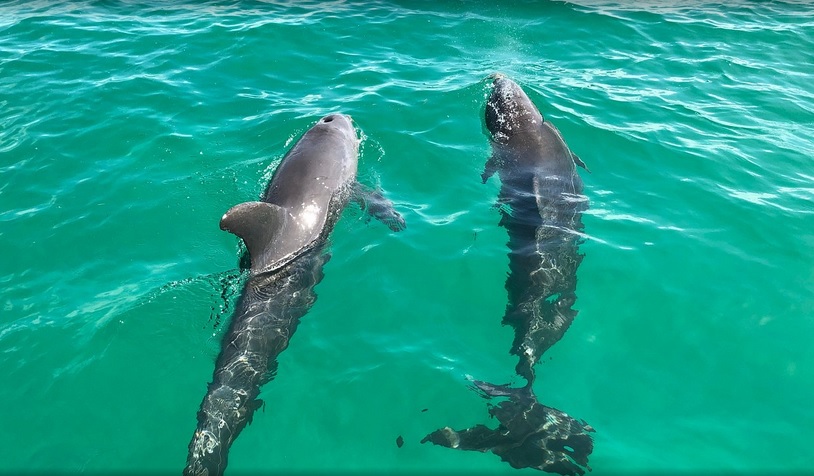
(264,228)
(302,202)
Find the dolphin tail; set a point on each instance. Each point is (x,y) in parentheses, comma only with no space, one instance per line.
(530,434)
(224,412)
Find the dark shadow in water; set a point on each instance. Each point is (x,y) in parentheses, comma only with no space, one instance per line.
(529,434)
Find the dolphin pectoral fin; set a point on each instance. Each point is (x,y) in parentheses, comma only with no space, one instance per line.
(579,162)
(489,169)
(257,223)
(378,207)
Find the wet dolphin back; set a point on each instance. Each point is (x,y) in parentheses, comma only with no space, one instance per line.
(301,203)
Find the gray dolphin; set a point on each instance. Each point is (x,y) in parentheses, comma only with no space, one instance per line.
(541,203)
(285,233)
(541,206)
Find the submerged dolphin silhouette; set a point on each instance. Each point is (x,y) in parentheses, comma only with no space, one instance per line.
(541,203)
(541,206)
(285,234)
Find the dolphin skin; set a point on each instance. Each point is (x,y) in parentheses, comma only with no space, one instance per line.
(541,203)
(541,206)
(285,234)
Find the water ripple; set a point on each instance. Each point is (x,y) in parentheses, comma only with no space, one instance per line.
(127,129)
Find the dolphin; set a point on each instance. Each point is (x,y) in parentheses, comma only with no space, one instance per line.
(285,234)
(541,203)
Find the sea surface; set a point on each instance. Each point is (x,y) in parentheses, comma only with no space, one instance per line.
(128,128)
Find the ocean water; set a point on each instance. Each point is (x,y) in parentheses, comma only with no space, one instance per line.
(128,128)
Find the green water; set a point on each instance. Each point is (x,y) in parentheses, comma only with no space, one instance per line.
(127,129)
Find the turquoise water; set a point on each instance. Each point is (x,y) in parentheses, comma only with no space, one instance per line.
(126,130)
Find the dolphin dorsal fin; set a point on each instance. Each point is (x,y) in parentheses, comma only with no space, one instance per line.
(256,223)
(579,162)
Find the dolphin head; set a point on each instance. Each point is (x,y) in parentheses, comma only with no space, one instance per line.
(339,124)
(509,111)
(334,131)
(519,130)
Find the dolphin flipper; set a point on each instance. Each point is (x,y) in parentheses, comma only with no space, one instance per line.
(377,206)
(579,162)
(490,168)
(257,223)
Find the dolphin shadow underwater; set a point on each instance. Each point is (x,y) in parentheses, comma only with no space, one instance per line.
(285,234)
(541,204)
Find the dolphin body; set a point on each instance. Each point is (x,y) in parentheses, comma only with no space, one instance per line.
(285,234)
(541,202)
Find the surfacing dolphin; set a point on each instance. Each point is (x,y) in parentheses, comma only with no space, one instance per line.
(541,204)
(285,234)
